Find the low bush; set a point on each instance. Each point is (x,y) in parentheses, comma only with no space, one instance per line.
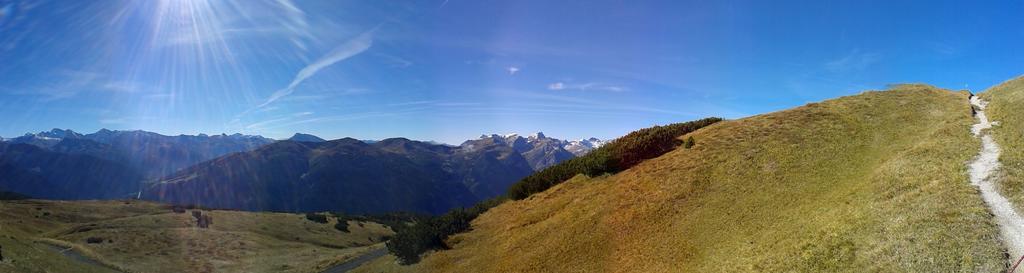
(429,234)
(94,240)
(342,225)
(202,220)
(316,217)
(205,221)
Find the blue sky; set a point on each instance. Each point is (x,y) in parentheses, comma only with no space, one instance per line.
(450,70)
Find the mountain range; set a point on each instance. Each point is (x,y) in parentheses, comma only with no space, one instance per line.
(302,173)
(350,175)
(540,150)
(152,155)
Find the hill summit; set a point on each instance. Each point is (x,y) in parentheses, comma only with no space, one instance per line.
(305,138)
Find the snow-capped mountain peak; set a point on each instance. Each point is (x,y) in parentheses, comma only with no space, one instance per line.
(56,133)
(584,146)
(539,140)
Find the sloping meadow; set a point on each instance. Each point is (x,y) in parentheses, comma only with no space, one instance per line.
(1005,111)
(874,182)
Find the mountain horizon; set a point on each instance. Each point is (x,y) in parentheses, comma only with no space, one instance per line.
(60,132)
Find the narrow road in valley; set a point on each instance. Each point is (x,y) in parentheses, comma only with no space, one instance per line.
(982,174)
(353,263)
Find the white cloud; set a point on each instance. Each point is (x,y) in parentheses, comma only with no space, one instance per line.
(590,86)
(512,70)
(353,47)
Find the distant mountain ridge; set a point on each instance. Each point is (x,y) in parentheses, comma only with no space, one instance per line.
(154,155)
(300,137)
(302,173)
(541,151)
(347,175)
(41,173)
(354,176)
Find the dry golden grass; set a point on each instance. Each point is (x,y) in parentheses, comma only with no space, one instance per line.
(869,183)
(1005,107)
(149,237)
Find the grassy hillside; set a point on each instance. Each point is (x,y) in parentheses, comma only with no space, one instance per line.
(873,182)
(1005,101)
(149,237)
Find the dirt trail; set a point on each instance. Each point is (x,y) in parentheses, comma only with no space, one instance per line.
(982,174)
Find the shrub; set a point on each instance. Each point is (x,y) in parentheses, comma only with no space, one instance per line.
(205,221)
(178,209)
(342,225)
(202,220)
(429,234)
(316,217)
(94,240)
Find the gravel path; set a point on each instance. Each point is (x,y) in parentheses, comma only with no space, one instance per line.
(982,174)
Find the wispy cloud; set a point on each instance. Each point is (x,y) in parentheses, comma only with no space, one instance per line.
(263,124)
(593,104)
(590,86)
(268,109)
(395,61)
(66,84)
(123,86)
(352,47)
(409,103)
(126,120)
(295,120)
(114,121)
(512,70)
(942,49)
(852,62)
